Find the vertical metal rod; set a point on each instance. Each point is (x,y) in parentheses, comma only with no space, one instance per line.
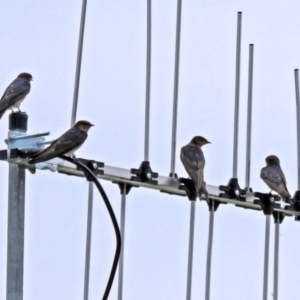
(176,80)
(191,251)
(122,229)
(88,242)
(266,259)
(249,117)
(237,95)
(15,232)
(276,258)
(78,63)
(148,82)
(209,252)
(298,121)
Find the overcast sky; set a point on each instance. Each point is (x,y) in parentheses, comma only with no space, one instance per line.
(41,37)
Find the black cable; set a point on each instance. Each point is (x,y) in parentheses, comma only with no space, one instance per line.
(112,216)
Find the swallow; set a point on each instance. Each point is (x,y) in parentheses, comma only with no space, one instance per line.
(15,93)
(273,176)
(69,142)
(193,161)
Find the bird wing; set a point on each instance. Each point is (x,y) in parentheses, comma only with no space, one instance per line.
(275,179)
(69,141)
(17,90)
(193,160)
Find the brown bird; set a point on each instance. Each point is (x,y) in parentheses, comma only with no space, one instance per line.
(69,142)
(15,93)
(193,160)
(273,176)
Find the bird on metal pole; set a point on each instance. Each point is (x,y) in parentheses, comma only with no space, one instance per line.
(273,176)
(69,142)
(193,160)
(15,93)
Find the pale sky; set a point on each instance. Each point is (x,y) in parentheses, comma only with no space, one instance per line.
(41,37)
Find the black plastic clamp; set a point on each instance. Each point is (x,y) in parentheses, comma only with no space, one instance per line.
(189,187)
(216,204)
(295,204)
(144,173)
(93,165)
(267,202)
(232,190)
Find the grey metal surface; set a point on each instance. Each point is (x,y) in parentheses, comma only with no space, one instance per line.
(15,232)
(298,121)
(191,251)
(237,96)
(209,252)
(148,82)
(78,63)
(276,260)
(122,229)
(249,117)
(266,258)
(88,242)
(176,82)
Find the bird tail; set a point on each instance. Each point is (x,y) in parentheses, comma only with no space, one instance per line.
(1,114)
(203,190)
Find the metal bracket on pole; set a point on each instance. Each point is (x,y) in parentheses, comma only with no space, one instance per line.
(232,190)
(189,187)
(144,173)
(93,165)
(267,202)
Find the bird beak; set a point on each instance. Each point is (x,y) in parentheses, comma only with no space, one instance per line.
(31,79)
(92,125)
(208,142)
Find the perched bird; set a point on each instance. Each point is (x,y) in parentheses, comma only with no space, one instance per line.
(273,176)
(70,141)
(193,160)
(15,93)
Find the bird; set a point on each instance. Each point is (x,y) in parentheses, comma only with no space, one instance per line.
(69,142)
(15,93)
(193,161)
(273,176)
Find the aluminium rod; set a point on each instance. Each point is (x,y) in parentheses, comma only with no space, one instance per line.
(78,63)
(191,251)
(88,243)
(113,219)
(148,82)
(209,251)
(249,117)
(122,228)
(276,258)
(176,82)
(298,121)
(266,258)
(237,95)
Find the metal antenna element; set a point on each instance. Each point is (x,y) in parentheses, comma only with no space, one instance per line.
(148,82)
(276,258)
(209,251)
(249,117)
(298,120)
(191,251)
(78,63)
(176,80)
(122,228)
(86,170)
(266,259)
(88,242)
(237,95)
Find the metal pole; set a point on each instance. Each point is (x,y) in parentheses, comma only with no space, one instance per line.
(148,81)
(298,120)
(209,251)
(122,229)
(175,98)
(88,242)
(237,95)
(276,258)
(191,248)
(249,118)
(266,262)
(78,63)
(16,215)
